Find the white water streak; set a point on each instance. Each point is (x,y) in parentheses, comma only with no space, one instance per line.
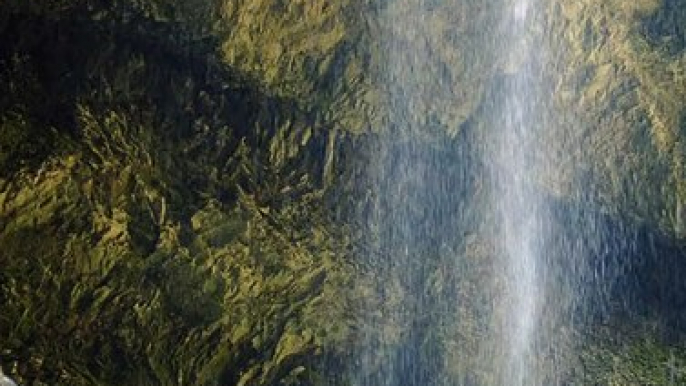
(518,207)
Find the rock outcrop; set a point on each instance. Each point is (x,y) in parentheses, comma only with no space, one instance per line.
(186,187)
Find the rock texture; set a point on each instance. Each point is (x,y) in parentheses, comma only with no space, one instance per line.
(162,217)
(624,82)
(184,186)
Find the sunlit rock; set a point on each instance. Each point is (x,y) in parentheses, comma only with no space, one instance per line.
(263,192)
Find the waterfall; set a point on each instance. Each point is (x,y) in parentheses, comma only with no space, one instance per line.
(514,200)
(478,273)
(422,210)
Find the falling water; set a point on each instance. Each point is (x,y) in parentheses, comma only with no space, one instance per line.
(514,201)
(479,276)
(421,213)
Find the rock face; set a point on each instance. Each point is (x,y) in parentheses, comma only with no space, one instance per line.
(624,81)
(184,185)
(162,217)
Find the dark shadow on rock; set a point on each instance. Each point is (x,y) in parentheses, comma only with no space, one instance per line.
(620,270)
(665,27)
(181,82)
(198,111)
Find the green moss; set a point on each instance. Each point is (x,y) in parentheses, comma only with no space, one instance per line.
(634,358)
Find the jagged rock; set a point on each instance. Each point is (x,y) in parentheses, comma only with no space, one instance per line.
(185,187)
(623,84)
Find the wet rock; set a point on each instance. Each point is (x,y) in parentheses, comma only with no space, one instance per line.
(185,189)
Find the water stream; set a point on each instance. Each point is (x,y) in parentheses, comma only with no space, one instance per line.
(423,216)
(481,276)
(523,230)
